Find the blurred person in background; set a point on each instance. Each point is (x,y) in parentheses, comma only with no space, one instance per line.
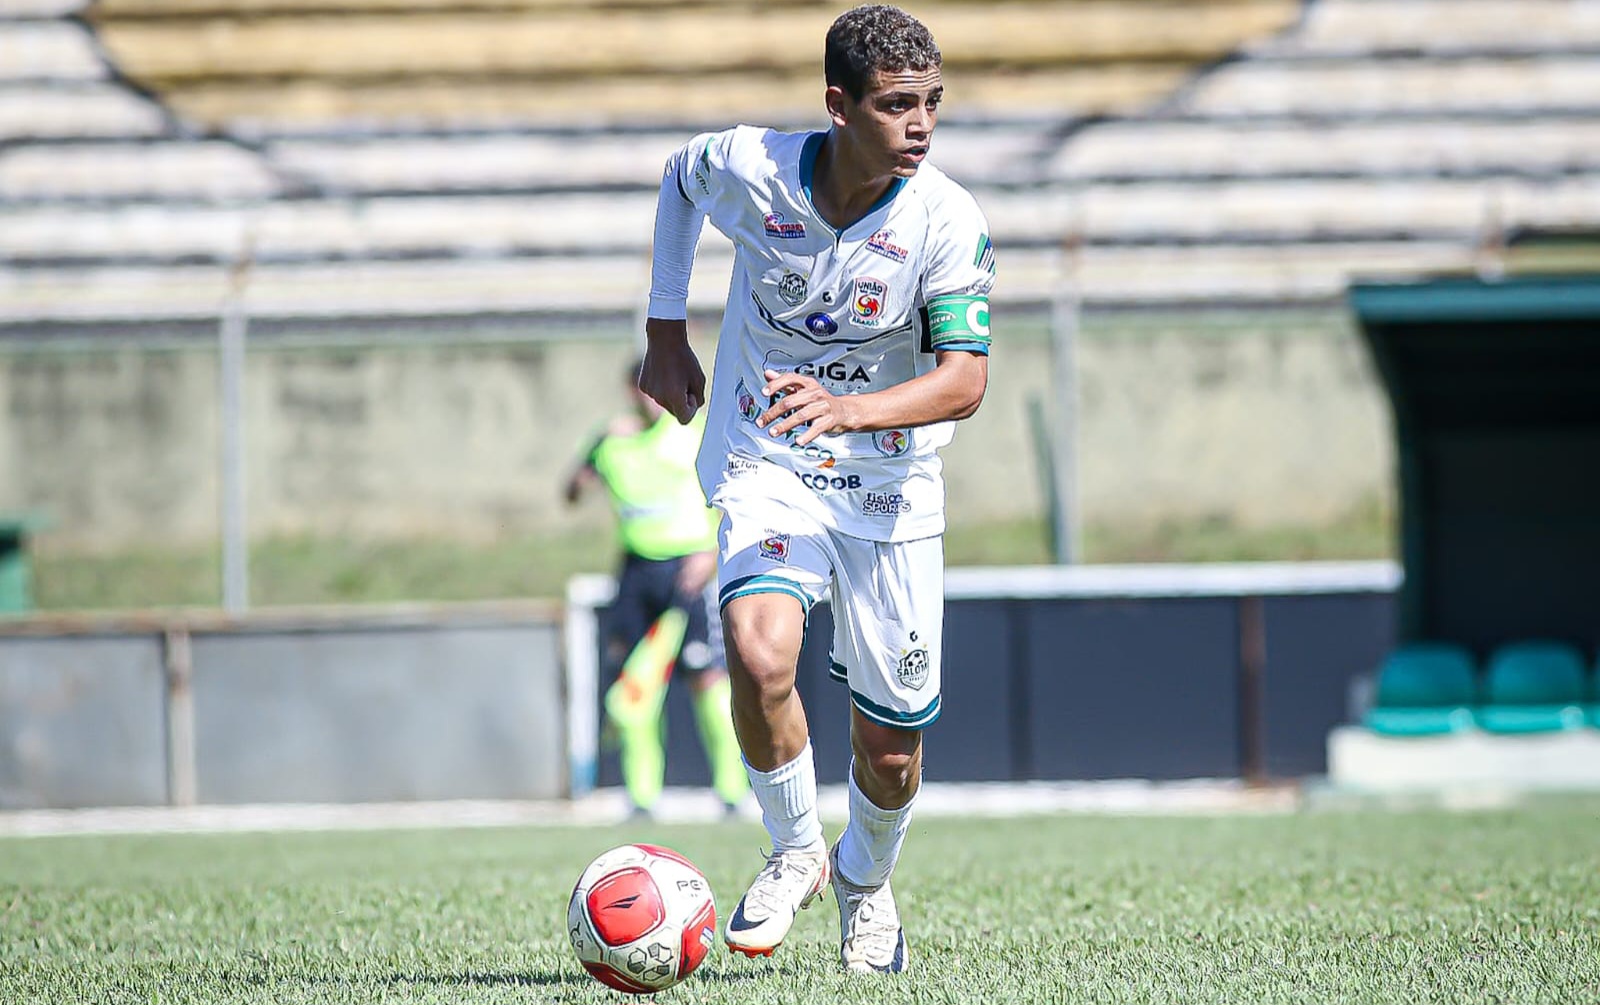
(662,617)
(856,334)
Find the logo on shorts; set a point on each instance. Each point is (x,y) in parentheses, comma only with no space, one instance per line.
(912,670)
(792,288)
(891,442)
(884,504)
(775,547)
(749,407)
(867,303)
(774,225)
(883,243)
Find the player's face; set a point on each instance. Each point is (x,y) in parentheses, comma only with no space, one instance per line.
(893,123)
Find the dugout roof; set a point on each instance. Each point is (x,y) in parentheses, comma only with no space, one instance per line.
(1495,387)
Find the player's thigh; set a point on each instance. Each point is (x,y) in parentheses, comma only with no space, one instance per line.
(888,638)
(774,563)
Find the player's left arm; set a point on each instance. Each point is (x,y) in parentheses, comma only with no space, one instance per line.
(953,389)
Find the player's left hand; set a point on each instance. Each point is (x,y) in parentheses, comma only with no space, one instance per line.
(803,401)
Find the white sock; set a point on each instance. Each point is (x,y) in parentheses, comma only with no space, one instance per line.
(871,842)
(788,798)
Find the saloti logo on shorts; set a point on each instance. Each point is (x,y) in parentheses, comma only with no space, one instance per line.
(912,670)
(775,547)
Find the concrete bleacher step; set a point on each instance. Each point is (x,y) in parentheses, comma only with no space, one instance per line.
(777,97)
(1348,88)
(1132,277)
(683,39)
(541,63)
(187,170)
(76,111)
(1442,26)
(1272,211)
(532,161)
(48,51)
(1165,149)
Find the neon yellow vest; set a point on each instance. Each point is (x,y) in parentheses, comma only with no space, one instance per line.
(655,492)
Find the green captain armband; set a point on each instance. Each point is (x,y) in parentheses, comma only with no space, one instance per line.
(959,322)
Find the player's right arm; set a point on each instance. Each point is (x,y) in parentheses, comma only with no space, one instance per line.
(672,374)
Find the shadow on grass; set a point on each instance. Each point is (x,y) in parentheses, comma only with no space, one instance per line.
(540,979)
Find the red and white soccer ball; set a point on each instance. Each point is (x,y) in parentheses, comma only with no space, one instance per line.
(641,918)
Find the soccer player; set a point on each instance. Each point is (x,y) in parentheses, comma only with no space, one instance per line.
(661,614)
(856,332)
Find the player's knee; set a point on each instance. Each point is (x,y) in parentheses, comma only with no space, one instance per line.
(892,770)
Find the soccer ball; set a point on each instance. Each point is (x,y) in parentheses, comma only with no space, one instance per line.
(641,918)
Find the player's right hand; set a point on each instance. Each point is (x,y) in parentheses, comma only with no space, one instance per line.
(671,373)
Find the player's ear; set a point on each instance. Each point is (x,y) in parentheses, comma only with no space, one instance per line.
(838,104)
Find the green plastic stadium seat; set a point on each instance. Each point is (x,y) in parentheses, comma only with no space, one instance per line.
(1535,686)
(1424,689)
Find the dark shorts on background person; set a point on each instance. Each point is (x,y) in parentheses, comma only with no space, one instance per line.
(646,588)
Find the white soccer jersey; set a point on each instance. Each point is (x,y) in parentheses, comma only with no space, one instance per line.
(860,310)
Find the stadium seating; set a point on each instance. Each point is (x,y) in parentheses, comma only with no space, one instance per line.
(1424,689)
(1229,151)
(1532,687)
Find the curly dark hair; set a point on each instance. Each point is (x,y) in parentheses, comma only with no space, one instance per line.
(875,38)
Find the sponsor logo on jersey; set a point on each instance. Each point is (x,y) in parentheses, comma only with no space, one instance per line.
(835,371)
(810,451)
(748,404)
(820,324)
(884,504)
(738,466)
(775,547)
(891,442)
(912,670)
(775,226)
(792,288)
(866,304)
(828,483)
(883,243)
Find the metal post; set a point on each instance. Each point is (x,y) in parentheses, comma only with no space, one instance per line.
(1064,317)
(181,775)
(1252,690)
(230,387)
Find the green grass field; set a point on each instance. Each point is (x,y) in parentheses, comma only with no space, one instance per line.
(1332,906)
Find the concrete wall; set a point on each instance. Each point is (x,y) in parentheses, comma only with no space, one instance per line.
(1267,420)
(461,702)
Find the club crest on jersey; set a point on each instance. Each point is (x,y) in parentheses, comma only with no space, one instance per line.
(775,226)
(866,303)
(883,243)
(775,547)
(748,405)
(793,288)
(891,442)
(820,324)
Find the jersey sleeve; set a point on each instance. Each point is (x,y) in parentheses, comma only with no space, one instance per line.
(959,276)
(688,185)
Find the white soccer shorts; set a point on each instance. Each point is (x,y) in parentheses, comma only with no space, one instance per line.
(888,598)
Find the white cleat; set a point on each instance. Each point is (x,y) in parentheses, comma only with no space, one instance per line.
(785,886)
(870,937)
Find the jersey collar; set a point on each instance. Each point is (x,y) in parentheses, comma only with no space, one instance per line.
(808,166)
